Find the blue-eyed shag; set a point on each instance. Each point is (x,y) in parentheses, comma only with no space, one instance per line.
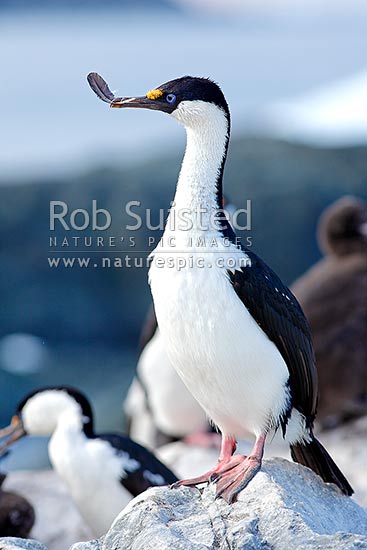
(103,472)
(235,333)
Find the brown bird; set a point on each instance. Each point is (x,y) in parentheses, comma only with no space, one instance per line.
(333,296)
(16,514)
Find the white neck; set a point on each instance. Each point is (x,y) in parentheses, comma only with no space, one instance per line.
(207,130)
(67,438)
(70,425)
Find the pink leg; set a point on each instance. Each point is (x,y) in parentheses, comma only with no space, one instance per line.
(228,447)
(236,476)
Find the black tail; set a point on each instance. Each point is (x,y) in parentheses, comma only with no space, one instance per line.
(314,456)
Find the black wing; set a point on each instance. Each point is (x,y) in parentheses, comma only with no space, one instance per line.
(277,312)
(140,468)
(149,329)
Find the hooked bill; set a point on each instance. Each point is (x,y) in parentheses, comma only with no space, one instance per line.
(100,87)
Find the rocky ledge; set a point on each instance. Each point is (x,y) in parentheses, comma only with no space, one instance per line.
(285,506)
(15,543)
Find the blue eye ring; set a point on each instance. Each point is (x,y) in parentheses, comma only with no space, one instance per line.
(171,98)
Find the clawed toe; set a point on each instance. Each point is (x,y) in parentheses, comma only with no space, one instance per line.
(191,482)
(225,467)
(232,482)
(230,477)
(232,472)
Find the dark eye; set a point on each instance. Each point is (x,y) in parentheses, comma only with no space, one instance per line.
(170,98)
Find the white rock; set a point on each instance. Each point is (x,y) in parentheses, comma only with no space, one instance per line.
(58,523)
(15,543)
(286,506)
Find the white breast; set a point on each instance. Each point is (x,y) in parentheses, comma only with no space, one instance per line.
(91,470)
(228,363)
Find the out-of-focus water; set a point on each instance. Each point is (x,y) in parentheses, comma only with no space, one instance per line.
(52,122)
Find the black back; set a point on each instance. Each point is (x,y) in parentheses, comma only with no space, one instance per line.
(146,470)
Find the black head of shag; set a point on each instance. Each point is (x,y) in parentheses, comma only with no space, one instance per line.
(167,97)
(343,227)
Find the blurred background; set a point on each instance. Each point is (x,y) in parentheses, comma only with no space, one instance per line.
(294,75)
